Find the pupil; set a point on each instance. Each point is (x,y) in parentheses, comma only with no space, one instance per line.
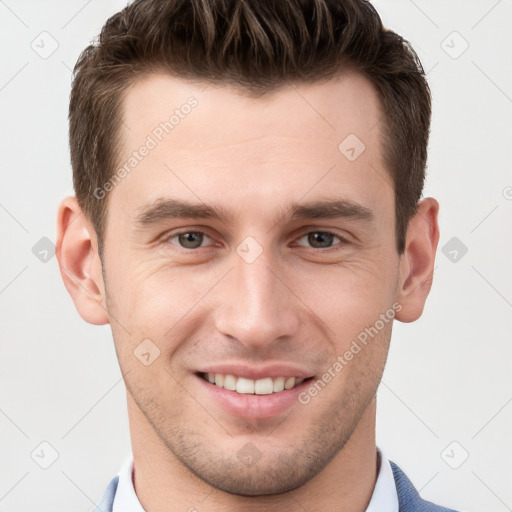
(320,238)
(190,240)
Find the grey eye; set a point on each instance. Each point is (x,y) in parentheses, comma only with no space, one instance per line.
(190,239)
(320,239)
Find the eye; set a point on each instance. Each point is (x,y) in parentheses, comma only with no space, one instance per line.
(197,239)
(321,239)
(188,239)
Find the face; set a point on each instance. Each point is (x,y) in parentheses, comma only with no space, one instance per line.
(246,243)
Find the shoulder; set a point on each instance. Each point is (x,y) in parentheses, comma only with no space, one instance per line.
(106,501)
(408,497)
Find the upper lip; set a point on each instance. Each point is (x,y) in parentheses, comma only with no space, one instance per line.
(257,372)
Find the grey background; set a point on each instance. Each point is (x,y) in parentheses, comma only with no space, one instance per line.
(446,392)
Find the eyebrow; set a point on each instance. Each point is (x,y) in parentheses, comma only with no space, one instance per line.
(164,209)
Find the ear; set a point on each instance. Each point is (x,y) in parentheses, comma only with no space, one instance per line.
(79,262)
(417,261)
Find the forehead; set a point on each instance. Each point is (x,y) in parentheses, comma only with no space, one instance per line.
(346,104)
(209,142)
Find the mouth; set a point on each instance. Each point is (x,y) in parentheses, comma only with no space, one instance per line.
(245,386)
(252,392)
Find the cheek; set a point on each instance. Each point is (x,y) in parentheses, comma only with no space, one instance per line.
(150,301)
(347,297)
(360,359)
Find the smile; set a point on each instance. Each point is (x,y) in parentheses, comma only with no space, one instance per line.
(244,386)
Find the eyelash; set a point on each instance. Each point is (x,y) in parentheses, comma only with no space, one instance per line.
(167,239)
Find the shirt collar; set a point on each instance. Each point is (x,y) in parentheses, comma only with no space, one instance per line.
(384,497)
(125,499)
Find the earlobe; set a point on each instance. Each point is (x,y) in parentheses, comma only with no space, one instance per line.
(79,262)
(417,262)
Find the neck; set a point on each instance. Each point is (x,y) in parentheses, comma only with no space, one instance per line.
(162,483)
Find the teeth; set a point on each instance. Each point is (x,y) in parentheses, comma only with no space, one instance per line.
(230,382)
(279,384)
(289,383)
(244,385)
(264,386)
(241,385)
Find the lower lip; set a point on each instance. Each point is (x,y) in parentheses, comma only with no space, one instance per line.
(255,407)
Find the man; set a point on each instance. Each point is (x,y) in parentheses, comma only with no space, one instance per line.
(248,218)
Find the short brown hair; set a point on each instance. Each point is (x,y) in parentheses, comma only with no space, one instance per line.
(255,46)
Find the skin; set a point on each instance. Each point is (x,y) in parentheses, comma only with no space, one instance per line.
(293,304)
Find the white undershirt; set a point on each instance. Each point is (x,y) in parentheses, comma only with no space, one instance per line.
(384,497)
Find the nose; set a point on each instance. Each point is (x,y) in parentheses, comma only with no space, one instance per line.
(256,305)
